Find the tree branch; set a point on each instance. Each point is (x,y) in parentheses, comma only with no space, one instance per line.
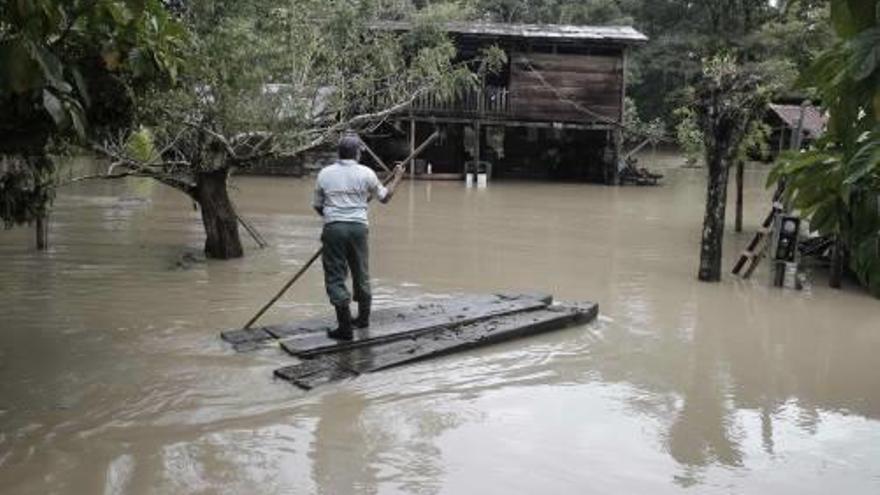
(355,121)
(139,169)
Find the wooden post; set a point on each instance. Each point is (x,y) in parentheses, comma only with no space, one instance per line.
(412,147)
(481,96)
(607,159)
(740,170)
(617,145)
(797,136)
(477,148)
(781,139)
(42,231)
(623,86)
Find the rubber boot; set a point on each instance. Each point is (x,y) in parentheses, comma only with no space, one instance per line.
(343,318)
(363,317)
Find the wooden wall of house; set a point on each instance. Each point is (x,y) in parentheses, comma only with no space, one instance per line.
(594,82)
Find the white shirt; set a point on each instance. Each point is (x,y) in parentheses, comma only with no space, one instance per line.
(343,190)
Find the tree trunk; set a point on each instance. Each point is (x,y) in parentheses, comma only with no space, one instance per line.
(218,215)
(713,221)
(725,103)
(740,170)
(42,231)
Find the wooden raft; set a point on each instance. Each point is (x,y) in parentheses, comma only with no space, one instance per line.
(403,335)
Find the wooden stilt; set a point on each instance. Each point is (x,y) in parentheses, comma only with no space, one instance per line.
(412,147)
(42,232)
(478,150)
(740,171)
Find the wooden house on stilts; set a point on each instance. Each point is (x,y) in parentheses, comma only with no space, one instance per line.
(555,110)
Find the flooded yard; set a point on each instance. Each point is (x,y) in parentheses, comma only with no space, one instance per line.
(114,379)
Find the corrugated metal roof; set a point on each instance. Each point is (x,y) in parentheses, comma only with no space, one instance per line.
(814,120)
(614,34)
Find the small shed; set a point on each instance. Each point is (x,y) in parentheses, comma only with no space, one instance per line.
(785,119)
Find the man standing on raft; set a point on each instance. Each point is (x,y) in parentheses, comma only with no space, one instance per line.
(342,193)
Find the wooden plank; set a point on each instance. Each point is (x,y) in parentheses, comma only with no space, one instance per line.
(523,121)
(246,339)
(551,101)
(548,62)
(250,339)
(544,97)
(353,362)
(407,324)
(559,79)
(463,337)
(564,112)
(313,372)
(609,94)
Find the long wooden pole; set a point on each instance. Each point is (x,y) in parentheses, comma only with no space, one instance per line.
(320,250)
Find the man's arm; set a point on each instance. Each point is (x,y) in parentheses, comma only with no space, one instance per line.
(318,200)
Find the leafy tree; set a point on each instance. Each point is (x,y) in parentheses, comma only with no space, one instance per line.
(688,135)
(49,52)
(781,37)
(837,183)
(727,100)
(269,78)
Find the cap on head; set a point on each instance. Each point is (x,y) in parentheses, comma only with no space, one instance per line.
(349,147)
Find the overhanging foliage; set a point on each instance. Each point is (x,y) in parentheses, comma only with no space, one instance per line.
(837,183)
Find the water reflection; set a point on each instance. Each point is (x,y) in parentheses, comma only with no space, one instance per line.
(340,450)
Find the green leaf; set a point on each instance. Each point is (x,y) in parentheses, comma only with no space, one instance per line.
(141,146)
(865,262)
(81,87)
(866,160)
(864,53)
(56,109)
(77,116)
(119,11)
(851,16)
(79,124)
(52,68)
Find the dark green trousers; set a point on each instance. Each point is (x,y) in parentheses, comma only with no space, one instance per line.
(345,248)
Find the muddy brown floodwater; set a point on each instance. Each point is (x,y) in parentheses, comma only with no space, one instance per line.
(113,379)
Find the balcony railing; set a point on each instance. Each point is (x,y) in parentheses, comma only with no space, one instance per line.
(489,100)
